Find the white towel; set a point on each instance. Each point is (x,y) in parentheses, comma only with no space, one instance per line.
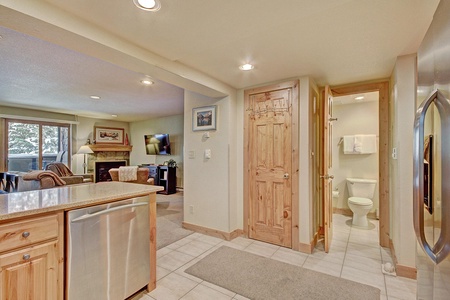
(128,173)
(367,142)
(349,144)
(357,148)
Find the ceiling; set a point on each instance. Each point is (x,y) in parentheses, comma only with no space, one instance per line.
(56,53)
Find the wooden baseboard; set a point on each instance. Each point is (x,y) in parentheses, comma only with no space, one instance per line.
(348,212)
(342,211)
(309,248)
(401,270)
(228,236)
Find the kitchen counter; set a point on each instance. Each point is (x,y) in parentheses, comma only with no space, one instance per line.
(23,204)
(32,227)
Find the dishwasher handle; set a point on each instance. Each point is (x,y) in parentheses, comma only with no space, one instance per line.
(107,211)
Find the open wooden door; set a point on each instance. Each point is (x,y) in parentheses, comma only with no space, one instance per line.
(325,176)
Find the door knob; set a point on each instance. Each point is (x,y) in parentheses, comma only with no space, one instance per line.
(327,176)
(286,175)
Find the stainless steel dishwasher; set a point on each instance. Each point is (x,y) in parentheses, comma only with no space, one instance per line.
(108,250)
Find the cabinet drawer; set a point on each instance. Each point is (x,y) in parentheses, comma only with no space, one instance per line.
(23,233)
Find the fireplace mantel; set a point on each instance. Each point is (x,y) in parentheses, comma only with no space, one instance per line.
(111,148)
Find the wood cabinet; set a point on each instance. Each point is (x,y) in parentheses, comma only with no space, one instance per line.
(31,258)
(164,176)
(167,178)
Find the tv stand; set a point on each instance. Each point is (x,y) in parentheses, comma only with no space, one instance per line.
(164,176)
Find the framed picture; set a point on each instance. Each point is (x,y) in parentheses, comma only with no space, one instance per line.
(107,135)
(204,118)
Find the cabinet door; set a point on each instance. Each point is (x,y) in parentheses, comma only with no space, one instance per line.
(30,273)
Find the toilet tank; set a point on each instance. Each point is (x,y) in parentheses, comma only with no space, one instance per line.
(360,187)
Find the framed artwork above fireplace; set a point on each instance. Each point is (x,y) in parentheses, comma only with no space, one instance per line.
(108,135)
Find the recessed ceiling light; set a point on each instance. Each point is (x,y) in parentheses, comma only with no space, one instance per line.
(359,98)
(246,67)
(147,82)
(149,5)
(114,116)
(95,97)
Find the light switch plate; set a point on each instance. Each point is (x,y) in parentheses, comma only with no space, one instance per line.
(207,153)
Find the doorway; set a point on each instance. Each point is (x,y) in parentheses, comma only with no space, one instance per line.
(383,129)
(356,114)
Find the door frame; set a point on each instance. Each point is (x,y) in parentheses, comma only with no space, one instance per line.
(382,87)
(295,85)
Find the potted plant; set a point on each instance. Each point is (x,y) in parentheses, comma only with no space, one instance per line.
(172,164)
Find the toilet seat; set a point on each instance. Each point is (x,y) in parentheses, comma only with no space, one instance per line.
(360,201)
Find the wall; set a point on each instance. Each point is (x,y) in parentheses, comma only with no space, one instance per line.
(356,118)
(402,109)
(308,90)
(207,181)
(85,130)
(174,126)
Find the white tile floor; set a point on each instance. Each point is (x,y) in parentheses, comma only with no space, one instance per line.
(354,255)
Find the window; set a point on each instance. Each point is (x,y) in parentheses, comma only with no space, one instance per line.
(32,145)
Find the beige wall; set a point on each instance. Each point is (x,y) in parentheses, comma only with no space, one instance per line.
(174,126)
(357,118)
(85,130)
(402,109)
(207,182)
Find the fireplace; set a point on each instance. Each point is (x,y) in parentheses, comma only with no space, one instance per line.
(102,168)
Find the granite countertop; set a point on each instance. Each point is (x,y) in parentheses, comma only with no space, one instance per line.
(22,204)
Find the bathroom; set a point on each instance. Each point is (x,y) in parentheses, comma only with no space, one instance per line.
(356,115)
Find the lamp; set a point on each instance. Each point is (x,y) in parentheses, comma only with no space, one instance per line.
(85,149)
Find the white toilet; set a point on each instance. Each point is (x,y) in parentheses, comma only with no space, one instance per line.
(360,201)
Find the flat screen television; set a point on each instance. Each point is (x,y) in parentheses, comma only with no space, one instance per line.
(157,144)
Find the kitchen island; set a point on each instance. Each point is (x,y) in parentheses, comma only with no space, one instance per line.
(34,230)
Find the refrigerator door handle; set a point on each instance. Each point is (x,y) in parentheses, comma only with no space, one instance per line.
(441,249)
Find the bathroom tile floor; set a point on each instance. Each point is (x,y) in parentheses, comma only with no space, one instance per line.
(354,255)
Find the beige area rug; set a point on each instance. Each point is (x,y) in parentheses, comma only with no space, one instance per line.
(169,218)
(257,277)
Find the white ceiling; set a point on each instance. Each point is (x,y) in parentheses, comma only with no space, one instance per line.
(334,42)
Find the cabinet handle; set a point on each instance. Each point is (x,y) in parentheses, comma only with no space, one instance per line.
(26,234)
(26,256)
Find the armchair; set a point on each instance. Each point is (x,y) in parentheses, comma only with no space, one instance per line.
(64,172)
(142,176)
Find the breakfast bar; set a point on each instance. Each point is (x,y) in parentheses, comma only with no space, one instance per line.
(41,231)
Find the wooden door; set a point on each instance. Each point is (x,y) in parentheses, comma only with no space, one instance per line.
(270,165)
(325,176)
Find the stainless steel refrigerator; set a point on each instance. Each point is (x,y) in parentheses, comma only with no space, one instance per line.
(432,159)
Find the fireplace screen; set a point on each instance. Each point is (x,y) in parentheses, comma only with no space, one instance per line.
(102,168)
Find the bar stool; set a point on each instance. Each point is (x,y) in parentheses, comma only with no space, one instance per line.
(11,183)
(2,181)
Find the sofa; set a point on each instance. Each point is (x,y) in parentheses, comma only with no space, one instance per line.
(29,181)
(142,176)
